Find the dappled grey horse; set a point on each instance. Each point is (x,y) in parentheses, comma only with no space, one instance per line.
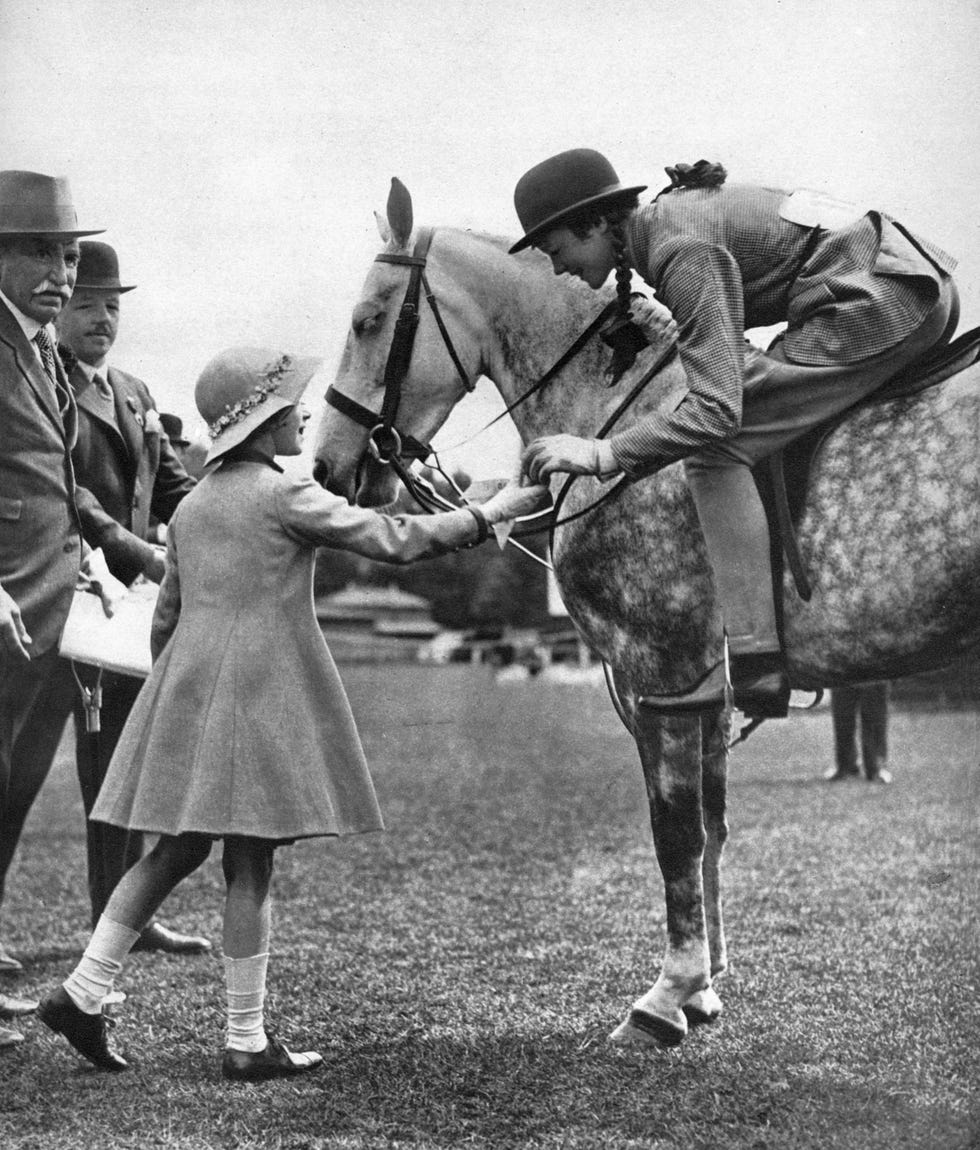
(889,535)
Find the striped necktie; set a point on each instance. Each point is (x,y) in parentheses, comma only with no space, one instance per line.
(43,341)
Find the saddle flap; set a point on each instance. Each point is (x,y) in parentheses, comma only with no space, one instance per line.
(936,367)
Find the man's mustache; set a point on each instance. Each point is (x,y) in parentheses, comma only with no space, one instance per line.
(52,289)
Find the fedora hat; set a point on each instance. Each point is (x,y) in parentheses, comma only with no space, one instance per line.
(98,268)
(552,190)
(173,425)
(243,387)
(33,204)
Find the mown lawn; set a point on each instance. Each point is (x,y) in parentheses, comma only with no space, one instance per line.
(460,973)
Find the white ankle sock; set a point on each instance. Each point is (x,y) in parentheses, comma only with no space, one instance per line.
(92,979)
(245,978)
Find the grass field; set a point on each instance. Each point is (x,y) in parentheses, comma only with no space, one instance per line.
(460,973)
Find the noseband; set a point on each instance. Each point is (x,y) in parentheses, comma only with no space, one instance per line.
(385,442)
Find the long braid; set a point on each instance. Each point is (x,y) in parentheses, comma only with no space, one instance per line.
(621,335)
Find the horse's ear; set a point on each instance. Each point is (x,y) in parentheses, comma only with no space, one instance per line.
(383,230)
(399,212)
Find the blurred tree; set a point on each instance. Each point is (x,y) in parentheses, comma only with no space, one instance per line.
(469,588)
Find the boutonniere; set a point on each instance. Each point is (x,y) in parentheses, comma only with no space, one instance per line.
(134,407)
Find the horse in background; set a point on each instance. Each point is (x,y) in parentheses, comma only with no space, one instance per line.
(889,535)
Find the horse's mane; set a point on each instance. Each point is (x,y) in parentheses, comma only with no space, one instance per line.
(536,316)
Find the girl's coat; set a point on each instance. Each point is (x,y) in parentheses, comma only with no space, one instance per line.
(243,726)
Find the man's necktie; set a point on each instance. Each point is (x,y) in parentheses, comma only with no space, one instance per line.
(43,342)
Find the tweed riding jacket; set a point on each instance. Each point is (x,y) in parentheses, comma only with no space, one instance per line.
(732,257)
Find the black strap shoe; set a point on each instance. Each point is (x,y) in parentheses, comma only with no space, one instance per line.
(86,1032)
(275,1061)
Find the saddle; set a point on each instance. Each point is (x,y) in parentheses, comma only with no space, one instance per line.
(783,478)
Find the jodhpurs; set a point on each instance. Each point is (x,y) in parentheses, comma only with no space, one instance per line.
(781,401)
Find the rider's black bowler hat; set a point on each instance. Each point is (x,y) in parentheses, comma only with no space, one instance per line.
(554,189)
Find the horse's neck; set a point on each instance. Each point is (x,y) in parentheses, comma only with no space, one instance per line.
(530,318)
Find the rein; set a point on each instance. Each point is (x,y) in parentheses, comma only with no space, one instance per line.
(392,447)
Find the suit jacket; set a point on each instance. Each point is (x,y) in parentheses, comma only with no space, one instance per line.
(124,473)
(40,533)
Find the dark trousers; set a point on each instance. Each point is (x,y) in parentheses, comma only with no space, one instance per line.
(111,850)
(869,701)
(35,700)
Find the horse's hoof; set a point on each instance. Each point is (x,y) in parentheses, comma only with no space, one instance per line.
(703,1008)
(644,1029)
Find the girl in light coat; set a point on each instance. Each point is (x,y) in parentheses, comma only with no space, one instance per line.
(243,732)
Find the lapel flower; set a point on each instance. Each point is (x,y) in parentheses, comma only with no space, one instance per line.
(134,407)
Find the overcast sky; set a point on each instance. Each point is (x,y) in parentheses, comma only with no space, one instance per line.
(235,150)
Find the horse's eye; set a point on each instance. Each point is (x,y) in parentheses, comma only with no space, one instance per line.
(366,318)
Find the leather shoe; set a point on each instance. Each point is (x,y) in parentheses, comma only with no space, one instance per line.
(761,685)
(275,1061)
(836,775)
(711,691)
(10,1037)
(9,964)
(156,936)
(759,689)
(880,776)
(11,1007)
(86,1032)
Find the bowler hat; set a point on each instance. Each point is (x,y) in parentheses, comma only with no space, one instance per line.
(98,268)
(33,204)
(173,425)
(554,189)
(243,387)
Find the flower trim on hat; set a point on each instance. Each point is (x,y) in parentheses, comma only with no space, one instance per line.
(236,412)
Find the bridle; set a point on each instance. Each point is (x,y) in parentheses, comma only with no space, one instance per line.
(386,443)
(396,449)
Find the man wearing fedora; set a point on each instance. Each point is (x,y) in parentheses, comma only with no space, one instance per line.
(126,469)
(41,545)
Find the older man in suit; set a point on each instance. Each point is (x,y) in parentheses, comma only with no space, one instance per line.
(40,534)
(126,470)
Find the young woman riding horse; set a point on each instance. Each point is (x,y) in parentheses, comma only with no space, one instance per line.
(862,298)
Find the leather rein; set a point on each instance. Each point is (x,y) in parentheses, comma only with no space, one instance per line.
(392,447)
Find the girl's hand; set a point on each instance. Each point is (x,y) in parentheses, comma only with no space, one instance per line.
(544,457)
(653,319)
(513,501)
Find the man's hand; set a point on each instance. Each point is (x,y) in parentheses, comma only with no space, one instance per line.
(571,454)
(156,567)
(95,576)
(14,639)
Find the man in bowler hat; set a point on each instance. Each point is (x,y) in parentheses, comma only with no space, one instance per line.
(41,545)
(128,470)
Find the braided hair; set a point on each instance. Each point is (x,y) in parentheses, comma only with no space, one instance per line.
(619,333)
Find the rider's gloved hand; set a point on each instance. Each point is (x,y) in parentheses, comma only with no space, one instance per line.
(570,454)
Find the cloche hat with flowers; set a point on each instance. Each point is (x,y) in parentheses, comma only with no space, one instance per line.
(243,387)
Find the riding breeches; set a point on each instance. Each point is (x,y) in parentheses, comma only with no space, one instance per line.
(781,401)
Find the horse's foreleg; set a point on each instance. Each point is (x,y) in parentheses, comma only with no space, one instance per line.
(670,752)
(705,1005)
